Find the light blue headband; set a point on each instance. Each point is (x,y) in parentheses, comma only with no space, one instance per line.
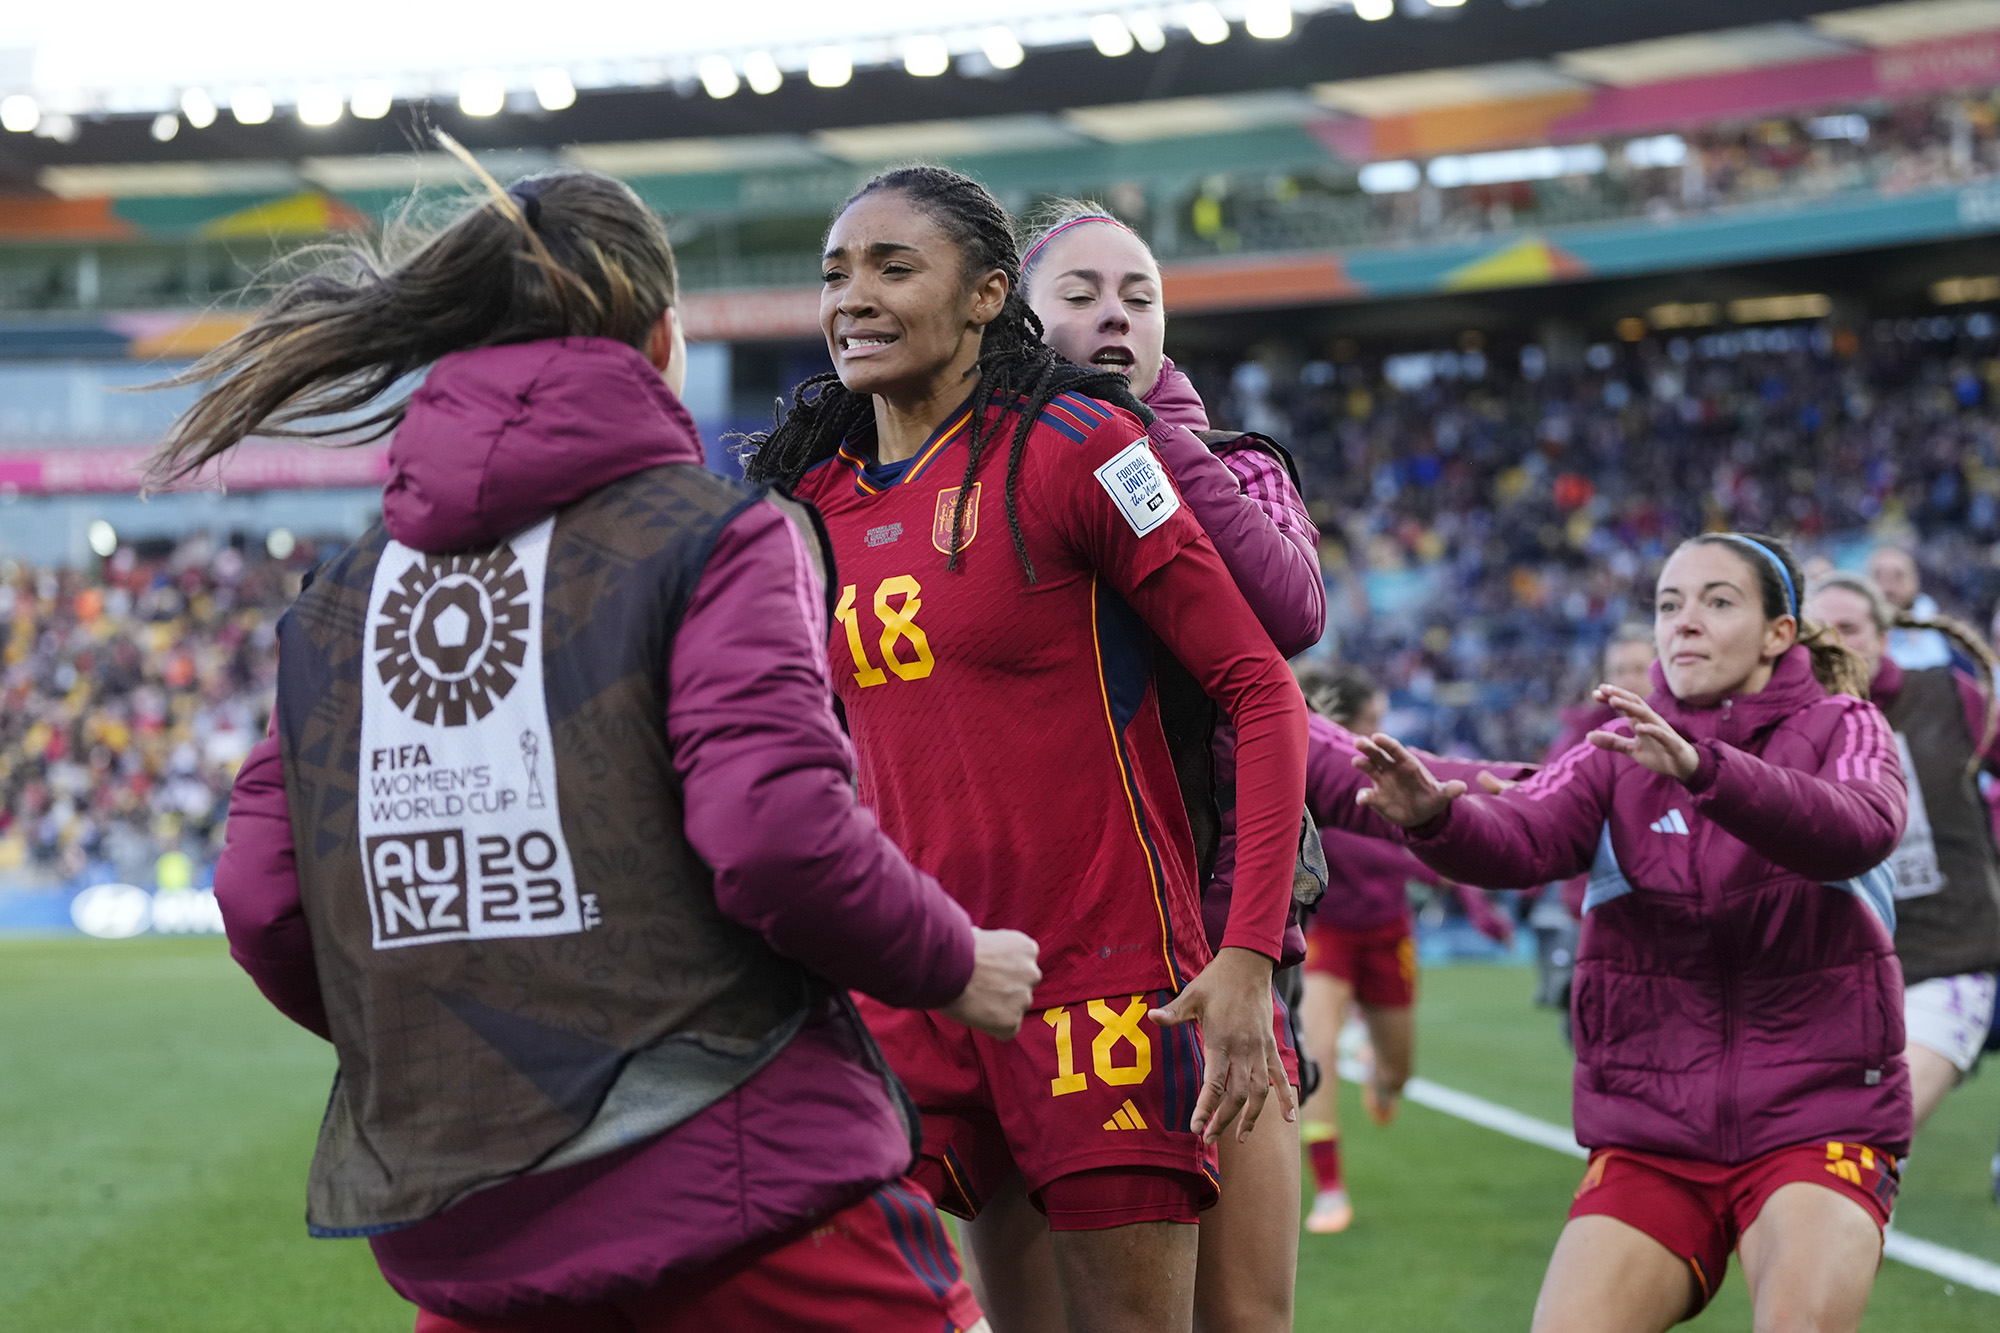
(1784,575)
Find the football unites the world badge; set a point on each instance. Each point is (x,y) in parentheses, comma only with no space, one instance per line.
(452,635)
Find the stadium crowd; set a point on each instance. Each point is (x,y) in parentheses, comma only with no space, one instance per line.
(1893,148)
(128,696)
(1489,519)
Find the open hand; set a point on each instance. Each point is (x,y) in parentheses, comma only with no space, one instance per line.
(1405,792)
(1240,1060)
(1653,744)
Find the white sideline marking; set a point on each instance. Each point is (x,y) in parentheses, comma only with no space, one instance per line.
(1952,1265)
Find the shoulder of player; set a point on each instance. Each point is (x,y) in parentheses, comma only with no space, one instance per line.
(1076,420)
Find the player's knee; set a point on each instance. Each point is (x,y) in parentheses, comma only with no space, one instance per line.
(1244,1307)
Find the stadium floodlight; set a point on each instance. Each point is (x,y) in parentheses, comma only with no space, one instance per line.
(554,89)
(1661,150)
(926,56)
(199,108)
(481,92)
(1268,19)
(320,104)
(829,66)
(1003,49)
(718,77)
(250,105)
(165,126)
(103,538)
(762,73)
(1519,164)
(1374,11)
(1390,177)
(1110,36)
(19,113)
(372,100)
(1147,32)
(1206,25)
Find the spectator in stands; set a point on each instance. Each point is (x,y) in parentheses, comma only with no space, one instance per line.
(1894,571)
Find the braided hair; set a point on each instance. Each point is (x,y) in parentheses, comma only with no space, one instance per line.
(1014,364)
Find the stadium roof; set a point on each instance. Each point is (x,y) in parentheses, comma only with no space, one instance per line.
(87,87)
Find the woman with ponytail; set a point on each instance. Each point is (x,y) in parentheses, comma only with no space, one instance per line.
(1095,286)
(1001,694)
(1947,868)
(554,838)
(1740,1078)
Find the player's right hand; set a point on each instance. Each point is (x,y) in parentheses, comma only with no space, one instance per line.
(1004,977)
(1405,792)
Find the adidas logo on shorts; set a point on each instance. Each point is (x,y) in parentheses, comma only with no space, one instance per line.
(1128,1117)
(1671,822)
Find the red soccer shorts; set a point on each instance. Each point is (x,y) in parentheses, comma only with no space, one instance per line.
(1379,965)
(1093,1086)
(884,1264)
(1700,1210)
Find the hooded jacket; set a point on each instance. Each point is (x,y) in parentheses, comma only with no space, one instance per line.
(1249,508)
(499,438)
(1736,988)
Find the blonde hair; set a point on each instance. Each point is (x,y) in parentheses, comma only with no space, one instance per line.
(1887,616)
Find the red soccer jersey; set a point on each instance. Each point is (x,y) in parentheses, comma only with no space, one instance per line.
(1008,733)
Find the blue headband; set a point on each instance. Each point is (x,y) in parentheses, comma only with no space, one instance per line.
(1784,575)
(527,194)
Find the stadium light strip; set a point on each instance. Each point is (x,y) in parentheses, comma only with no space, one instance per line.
(133,57)
(1952,1265)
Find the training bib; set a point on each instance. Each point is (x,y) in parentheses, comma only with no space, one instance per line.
(460,837)
(1914,863)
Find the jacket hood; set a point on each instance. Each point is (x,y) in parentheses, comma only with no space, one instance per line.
(1174,400)
(1792,687)
(499,438)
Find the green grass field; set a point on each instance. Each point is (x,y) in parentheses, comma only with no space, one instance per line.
(156,1118)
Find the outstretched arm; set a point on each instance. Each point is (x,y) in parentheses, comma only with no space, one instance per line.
(1542,829)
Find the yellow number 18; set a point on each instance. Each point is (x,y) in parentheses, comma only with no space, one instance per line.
(899,623)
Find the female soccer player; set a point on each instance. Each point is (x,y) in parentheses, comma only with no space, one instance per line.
(1947,869)
(995,664)
(1096,289)
(554,839)
(1361,942)
(1739,1038)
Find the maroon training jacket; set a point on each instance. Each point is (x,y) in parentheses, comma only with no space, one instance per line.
(496,440)
(1737,988)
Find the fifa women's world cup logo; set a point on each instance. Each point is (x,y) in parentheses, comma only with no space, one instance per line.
(452,636)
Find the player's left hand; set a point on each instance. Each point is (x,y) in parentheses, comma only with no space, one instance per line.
(1232,1001)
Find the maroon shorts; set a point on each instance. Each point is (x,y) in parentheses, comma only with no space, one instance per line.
(884,1264)
(1700,1210)
(1281,1028)
(1093,1086)
(1379,965)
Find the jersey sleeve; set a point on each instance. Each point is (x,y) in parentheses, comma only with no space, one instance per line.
(1110,499)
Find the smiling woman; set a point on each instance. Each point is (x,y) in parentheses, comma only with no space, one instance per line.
(1739,1031)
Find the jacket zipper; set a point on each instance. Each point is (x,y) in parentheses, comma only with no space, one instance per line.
(1726,1131)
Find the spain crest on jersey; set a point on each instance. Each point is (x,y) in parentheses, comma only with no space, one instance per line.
(947,501)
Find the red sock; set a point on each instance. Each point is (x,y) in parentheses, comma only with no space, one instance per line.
(1325,1156)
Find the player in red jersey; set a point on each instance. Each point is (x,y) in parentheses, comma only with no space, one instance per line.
(1095,286)
(994,658)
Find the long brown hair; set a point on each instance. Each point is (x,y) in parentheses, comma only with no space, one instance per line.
(1964,637)
(1838,668)
(564,254)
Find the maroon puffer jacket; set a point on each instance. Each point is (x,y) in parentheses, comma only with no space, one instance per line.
(1736,989)
(495,440)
